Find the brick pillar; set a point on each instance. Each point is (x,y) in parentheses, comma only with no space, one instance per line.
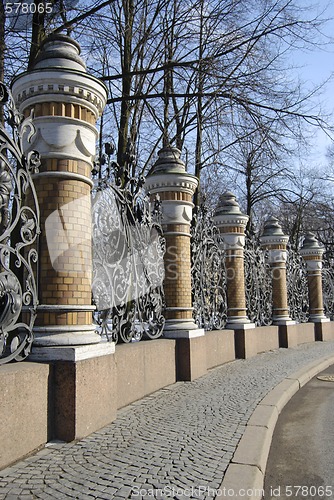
(66,102)
(275,241)
(176,187)
(312,254)
(231,223)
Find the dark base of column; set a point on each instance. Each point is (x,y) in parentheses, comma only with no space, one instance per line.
(252,341)
(243,349)
(324,331)
(191,360)
(291,335)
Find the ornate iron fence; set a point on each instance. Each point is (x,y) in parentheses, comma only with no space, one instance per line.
(328,285)
(208,273)
(19,231)
(297,287)
(258,282)
(128,267)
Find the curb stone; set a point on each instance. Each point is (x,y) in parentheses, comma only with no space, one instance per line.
(245,474)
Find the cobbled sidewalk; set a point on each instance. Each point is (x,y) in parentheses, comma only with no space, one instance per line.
(176,443)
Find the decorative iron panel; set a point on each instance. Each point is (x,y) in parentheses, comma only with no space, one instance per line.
(19,230)
(258,282)
(128,266)
(297,286)
(208,273)
(328,285)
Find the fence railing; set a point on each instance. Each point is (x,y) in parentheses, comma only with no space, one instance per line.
(208,273)
(128,266)
(19,232)
(297,287)
(328,285)
(209,282)
(128,256)
(258,282)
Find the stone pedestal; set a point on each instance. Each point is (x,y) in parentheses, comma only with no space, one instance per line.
(291,335)
(275,241)
(231,223)
(66,103)
(176,188)
(324,330)
(312,254)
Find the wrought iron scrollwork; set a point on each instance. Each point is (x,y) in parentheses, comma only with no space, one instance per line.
(328,285)
(258,283)
(128,266)
(208,273)
(19,230)
(297,287)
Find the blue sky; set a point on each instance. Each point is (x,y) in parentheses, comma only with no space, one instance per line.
(315,67)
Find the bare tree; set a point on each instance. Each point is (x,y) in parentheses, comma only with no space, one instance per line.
(188,73)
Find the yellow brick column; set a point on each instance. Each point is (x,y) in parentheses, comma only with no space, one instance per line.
(312,254)
(231,223)
(66,103)
(176,187)
(275,241)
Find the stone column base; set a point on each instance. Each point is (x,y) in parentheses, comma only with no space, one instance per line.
(283,320)
(71,353)
(249,342)
(244,340)
(190,348)
(191,360)
(85,396)
(324,330)
(292,334)
(181,329)
(239,323)
(83,388)
(69,335)
(65,325)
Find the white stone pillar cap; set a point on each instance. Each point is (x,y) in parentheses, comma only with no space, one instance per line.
(59,74)
(169,173)
(311,246)
(59,51)
(228,212)
(272,233)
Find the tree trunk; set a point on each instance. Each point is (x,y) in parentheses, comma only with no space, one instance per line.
(199,128)
(167,92)
(38,31)
(249,201)
(123,133)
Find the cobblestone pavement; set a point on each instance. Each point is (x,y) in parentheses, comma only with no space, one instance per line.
(176,443)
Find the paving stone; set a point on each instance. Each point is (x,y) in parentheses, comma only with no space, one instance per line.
(44,496)
(3,494)
(15,491)
(104,496)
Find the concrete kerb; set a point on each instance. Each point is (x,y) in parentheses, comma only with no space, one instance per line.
(244,478)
